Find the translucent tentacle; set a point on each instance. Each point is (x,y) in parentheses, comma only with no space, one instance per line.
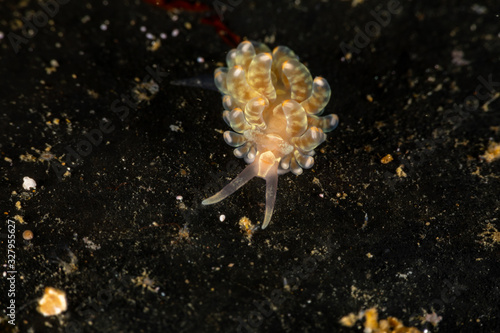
(237,85)
(280,55)
(260,47)
(236,120)
(304,161)
(327,123)
(285,162)
(253,111)
(252,153)
(245,52)
(220,79)
(234,139)
(228,102)
(226,115)
(296,118)
(248,173)
(299,78)
(319,98)
(271,190)
(259,75)
(312,138)
(230,58)
(295,167)
(243,150)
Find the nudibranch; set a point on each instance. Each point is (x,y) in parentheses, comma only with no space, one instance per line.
(273,106)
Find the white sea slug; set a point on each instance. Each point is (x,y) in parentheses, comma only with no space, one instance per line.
(273,105)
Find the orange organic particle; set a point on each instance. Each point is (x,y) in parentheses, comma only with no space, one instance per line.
(274,108)
(386,159)
(27,235)
(492,153)
(53,302)
(184,233)
(371,319)
(373,325)
(349,320)
(247,227)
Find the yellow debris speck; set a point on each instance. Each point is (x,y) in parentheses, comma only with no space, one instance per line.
(400,172)
(155,45)
(19,219)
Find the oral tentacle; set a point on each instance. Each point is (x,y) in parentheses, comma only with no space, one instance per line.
(271,190)
(248,173)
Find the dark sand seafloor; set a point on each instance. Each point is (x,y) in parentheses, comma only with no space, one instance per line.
(122,159)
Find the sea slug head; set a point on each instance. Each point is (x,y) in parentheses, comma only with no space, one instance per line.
(273,107)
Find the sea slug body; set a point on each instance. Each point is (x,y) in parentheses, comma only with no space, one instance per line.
(273,106)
